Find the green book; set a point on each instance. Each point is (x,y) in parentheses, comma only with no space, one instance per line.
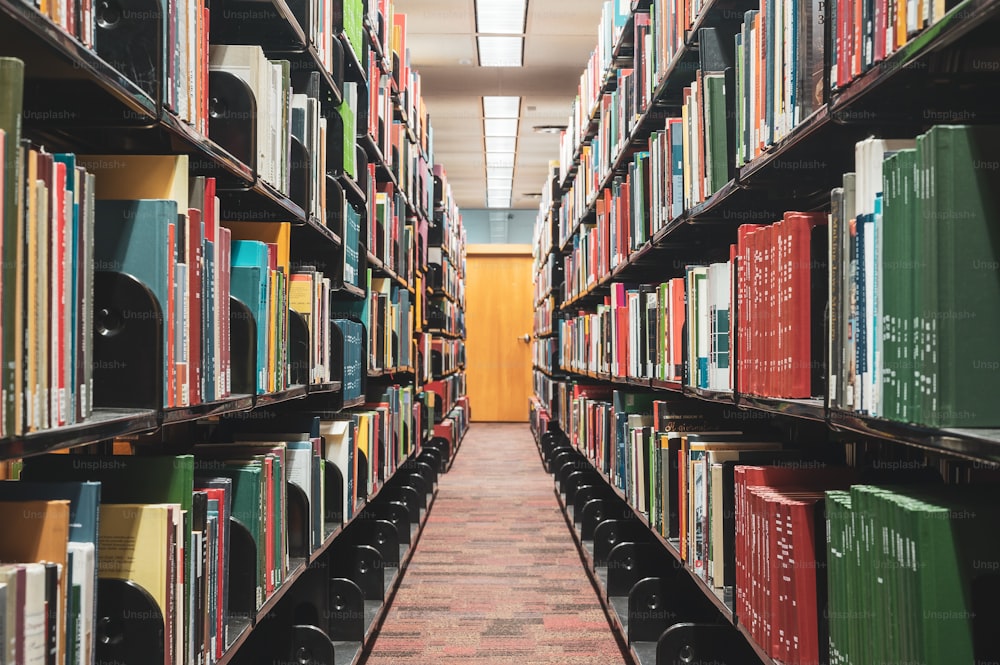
(11,101)
(964,367)
(716,131)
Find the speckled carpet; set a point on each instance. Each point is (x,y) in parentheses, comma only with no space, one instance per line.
(496,577)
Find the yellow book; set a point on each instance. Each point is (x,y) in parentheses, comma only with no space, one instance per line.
(38,532)
(278,233)
(140,177)
(134,544)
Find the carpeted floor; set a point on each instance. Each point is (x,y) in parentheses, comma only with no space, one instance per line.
(496,577)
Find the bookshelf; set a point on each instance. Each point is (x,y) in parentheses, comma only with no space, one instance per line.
(216,276)
(690,141)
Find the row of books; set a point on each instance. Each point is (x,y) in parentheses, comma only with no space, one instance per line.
(163,522)
(446,393)
(388,239)
(545,353)
(445,315)
(546,390)
(546,313)
(784,61)
(447,231)
(270,83)
(446,355)
(443,275)
(545,276)
(353,359)
(681,165)
(914,298)
(614,16)
(388,317)
(798,544)
(779,72)
(48,228)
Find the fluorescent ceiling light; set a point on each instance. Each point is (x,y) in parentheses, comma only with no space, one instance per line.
(499,159)
(497,202)
(498,184)
(499,172)
(504,17)
(501,106)
(500,126)
(500,51)
(501,144)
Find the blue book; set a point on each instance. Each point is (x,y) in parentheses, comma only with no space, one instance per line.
(84,502)
(133,237)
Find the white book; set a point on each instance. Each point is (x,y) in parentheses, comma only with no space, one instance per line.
(337,435)
(247,64)
(83,575)
(35,642)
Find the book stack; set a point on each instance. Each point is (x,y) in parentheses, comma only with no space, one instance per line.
(779,72)
(350,353)
(904,565)
(912,280)
(270,83)
(161,227)
(780,558)
(47,285)
(781,292)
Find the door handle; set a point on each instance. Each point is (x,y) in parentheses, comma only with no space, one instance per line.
(525,338)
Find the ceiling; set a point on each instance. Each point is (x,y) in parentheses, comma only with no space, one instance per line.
(441,37)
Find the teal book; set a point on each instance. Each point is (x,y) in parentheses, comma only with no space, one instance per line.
(249,283)
(133,237)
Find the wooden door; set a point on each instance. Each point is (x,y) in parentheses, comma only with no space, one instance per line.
(498,294)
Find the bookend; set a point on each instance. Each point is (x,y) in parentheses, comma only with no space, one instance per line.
(703,643)
(576,479)
(363,565)
(595,504)
(630,562)
(382,535)
(442,448)
(419,482)
(298,349)
(566,464)
(128,357)
(295,630)
(232,118)
(612,532)
(555,451)
(394,512)
(299,521)
(242,348)
(307,645)
(406,495)
(333,496)
(346,611)
(242,573)
(300,185)
(129,37)
(124,604)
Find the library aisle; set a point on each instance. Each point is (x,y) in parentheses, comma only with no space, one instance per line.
(496,577)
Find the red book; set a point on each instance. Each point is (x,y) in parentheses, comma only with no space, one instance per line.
(744,306)
(801,227)
(57,366)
